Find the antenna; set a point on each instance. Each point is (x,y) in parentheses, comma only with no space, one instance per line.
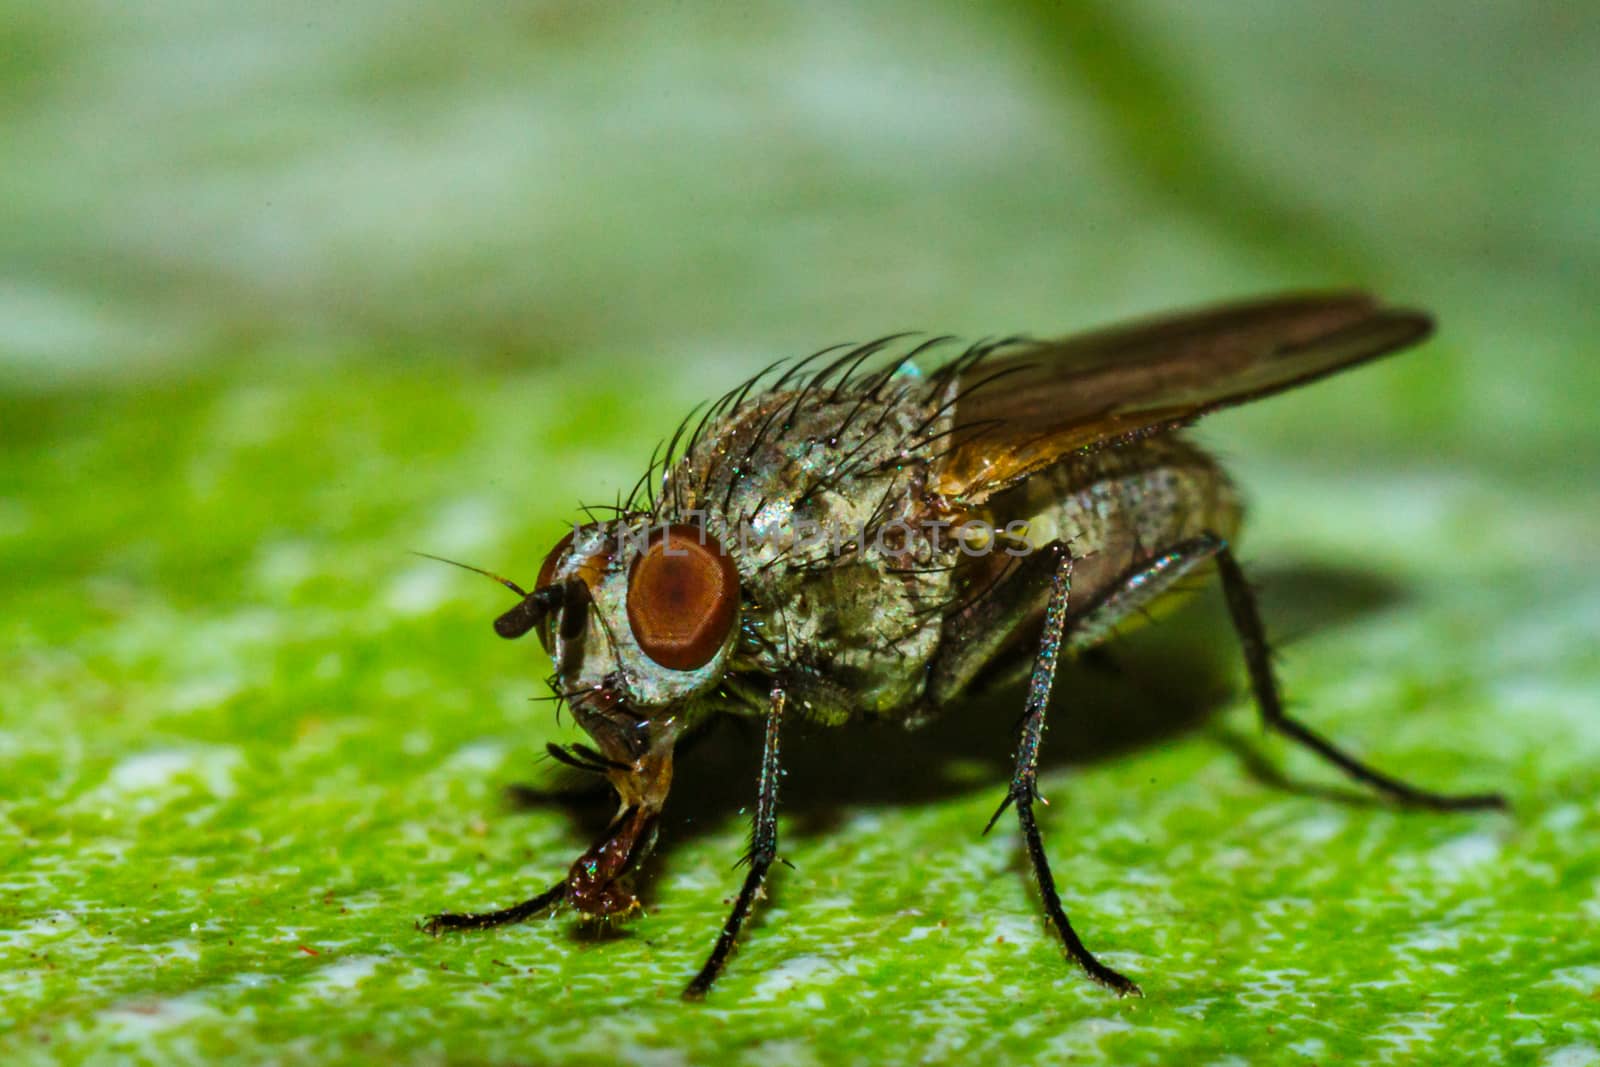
(507,582)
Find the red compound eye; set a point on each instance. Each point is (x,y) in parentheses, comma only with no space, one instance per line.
(683,598)
(547,573)
(548,570)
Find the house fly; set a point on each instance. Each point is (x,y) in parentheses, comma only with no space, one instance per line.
(856,536)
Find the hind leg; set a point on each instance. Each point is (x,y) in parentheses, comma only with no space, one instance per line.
(1258,661)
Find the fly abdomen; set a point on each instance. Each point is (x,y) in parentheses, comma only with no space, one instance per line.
(1118,508)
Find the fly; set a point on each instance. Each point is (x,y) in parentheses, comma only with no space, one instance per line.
(854,537)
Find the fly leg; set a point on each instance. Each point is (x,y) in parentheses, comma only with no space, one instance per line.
(483,920)
(1258,661)
(763,850)
(983,643)
(598,884)
(1140,585)
(1024,779)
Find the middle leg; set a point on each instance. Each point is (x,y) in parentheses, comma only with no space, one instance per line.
(1084,627)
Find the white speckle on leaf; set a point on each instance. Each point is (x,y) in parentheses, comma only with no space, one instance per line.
(1322,828)
(280,566)
(1432,938)
(1584,979)
(33,931)
(1563,818)
(197,694)
(161,769)
(1272,988)
(478,756)
(1465,855)
(641,1056)
(1591,907)
(464,526)
(1571,1056)
(1406,1034)
(1015,929)
(1083,1036)
(181,950)
(792,1053)
(416,742)
(417,590)
(151,770)
(865,823)
(145,1018)
(793,972)
(343,974)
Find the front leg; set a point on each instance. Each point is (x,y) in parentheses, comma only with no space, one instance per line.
(483,920)
(599,884)
(763,849)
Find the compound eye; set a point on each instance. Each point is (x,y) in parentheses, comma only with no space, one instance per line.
(683,598)
(547,572)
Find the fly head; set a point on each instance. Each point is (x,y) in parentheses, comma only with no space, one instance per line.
(641,622)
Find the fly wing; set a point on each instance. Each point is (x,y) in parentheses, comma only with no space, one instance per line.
(1021,411)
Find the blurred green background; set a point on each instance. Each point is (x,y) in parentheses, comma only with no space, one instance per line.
(288,290)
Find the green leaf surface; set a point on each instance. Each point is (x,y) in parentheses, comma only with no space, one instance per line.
(284,296)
